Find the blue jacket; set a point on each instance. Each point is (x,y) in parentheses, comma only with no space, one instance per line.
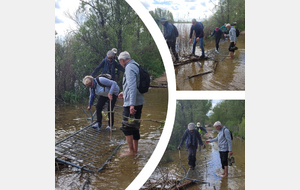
(108,68)
(202,129)
(198,30)
(131,80)
(169,34)
(111,87)
(191,138)
(218,34)
(224,140)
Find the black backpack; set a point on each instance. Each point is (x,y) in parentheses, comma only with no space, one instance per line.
(144,80)
(175,31)
(108,76)
(230,134)
(237,32)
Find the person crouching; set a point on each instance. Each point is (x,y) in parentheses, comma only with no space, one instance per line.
(107,90)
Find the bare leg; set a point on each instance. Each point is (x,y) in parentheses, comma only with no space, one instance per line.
(225,172)
(129,140)
(135,146)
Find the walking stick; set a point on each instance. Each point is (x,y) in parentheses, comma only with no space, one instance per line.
(110,120)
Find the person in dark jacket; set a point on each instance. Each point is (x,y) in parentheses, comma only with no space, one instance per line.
(198,28)
(169,35)
(109,65)
(200,128)
(191,135)
(218,35)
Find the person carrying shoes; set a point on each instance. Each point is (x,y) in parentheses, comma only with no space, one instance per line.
(191,135)
(133,102)
(224,144)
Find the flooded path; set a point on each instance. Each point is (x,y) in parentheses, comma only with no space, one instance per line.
(208,166)
(229,75)
(121,170)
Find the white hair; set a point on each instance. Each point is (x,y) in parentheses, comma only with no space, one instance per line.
(124,55)
(110,53)
(87,80)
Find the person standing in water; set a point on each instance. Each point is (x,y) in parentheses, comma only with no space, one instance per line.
(224,144)
(191,135)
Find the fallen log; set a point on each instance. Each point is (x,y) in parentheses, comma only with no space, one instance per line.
(183,185)
(158,86)
(204,73)
(190,61)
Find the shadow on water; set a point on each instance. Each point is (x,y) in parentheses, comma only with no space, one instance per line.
(229,75)
(121,170)
(208,166)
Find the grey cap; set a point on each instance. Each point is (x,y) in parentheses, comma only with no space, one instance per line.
(217,123)
(191,126)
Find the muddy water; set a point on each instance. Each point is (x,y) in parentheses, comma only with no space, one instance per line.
(121,170)
(208,166)
(229,75)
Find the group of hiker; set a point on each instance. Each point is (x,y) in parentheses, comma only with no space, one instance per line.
(227,30)
(106,87)
(192,135)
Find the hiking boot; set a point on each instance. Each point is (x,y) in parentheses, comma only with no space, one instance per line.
(133,125)
(234,48)
(108,127)
(232,160)
(202,56)
(229,162)
(192,54)
(96,125)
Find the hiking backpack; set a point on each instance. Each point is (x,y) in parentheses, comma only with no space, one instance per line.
(175,31)
(237,32)
(230,134)
(108,76)
(144,80)
(201,25)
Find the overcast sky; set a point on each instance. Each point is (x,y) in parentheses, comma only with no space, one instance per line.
(183,9)
(62,23)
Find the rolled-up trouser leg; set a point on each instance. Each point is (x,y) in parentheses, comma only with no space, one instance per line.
(224,159)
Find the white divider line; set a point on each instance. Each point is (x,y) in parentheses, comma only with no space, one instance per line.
(161,44)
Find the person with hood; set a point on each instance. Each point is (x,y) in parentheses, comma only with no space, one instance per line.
(198,28)
(191,135)
(224,144)
(200,128)
(218,34)
(106,89)
(169,35)
(109,65)
(133,102)
(233,40)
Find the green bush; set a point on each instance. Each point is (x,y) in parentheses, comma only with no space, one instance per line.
(70,97)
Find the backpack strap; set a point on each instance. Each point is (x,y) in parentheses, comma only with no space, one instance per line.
(97,78)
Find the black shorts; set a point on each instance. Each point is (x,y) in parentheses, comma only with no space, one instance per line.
(224,159)
(126,112)
(230,46)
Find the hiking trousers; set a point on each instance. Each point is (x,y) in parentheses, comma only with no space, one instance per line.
(201,45)
(217,41)
(171,44)
(224,158)
(192,155)
(101,102)
(126,112)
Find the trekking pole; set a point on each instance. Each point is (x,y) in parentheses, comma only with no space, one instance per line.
(110,120)
(179,157)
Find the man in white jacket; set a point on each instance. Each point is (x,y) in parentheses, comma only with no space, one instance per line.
(224,144)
